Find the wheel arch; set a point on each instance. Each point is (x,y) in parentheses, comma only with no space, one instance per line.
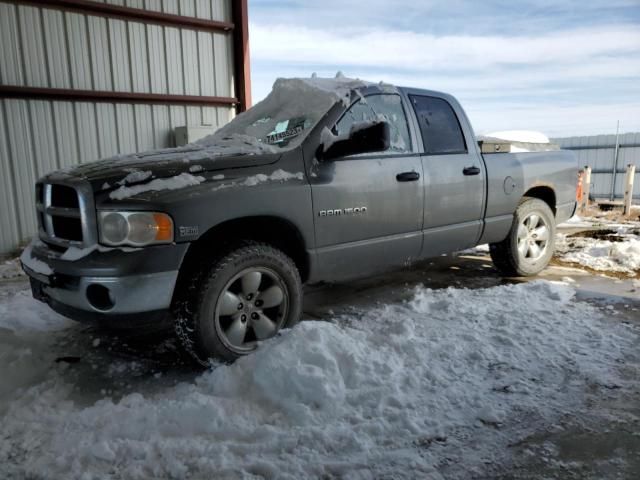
(276,231)
(544,193)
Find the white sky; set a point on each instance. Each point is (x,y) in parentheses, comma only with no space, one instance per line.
(565,70)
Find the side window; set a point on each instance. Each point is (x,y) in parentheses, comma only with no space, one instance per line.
(386,107)
(441,131)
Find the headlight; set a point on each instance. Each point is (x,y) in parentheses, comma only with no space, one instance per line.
(136,229)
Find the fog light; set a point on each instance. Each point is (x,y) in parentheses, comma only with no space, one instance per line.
(100,297)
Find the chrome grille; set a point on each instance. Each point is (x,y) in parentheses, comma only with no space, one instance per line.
(65,214)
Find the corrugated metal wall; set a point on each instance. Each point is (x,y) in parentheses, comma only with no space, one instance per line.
(599,153)
(41,47)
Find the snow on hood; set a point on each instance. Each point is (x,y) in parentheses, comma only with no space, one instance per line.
(157,185)
(278,123)
(224,146)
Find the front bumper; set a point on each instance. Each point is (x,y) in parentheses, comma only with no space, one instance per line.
(105,284)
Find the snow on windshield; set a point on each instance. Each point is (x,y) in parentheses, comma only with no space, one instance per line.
(290,111)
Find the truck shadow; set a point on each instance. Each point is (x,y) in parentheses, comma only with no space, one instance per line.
(459,271)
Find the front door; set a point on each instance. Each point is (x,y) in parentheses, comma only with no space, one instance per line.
(368,208)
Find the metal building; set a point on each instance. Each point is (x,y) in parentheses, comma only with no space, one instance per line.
(82,80)
(608,157)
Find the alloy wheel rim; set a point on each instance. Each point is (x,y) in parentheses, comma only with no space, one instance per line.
(533,237)
(251,308)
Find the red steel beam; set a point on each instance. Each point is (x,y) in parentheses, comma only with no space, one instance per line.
(128,13)
(242,59)
(62,94)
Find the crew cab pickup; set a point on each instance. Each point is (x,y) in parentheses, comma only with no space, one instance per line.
(325,180)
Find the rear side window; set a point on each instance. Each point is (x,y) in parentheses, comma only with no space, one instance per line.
(441,131)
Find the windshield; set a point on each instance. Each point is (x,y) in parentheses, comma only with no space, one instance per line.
(286,116)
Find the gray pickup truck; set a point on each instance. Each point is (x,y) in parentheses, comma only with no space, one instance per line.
(325,180)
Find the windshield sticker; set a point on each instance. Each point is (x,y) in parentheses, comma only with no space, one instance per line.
(284,135)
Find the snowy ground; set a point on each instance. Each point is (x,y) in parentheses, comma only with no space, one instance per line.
(604,246)
(10,269)
(443,371)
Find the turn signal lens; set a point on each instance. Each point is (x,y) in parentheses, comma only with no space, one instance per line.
(164,227)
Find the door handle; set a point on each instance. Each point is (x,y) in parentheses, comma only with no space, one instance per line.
(471,170)
(408,176)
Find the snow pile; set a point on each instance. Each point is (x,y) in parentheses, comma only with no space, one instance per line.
(621,254)
(520,136)
(21,314)
(174,183)
(11,269)
(362,397)
(26,331)
(576,221)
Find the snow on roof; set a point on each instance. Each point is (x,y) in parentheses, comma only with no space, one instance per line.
(301,100)
(340,86)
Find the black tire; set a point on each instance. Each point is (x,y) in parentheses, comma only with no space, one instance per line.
(197,323)
(506,256)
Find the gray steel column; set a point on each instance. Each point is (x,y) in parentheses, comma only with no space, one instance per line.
(615,163)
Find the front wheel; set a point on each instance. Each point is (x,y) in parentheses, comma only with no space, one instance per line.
(245,297)
(528,248)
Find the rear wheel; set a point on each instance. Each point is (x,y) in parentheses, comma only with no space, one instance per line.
(245,297)
(528,248)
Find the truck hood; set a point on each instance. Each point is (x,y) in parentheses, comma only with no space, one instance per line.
(192,159)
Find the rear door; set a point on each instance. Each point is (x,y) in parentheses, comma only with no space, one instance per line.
(368,208)
(454,177)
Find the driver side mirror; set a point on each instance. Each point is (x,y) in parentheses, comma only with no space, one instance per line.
(362,138)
